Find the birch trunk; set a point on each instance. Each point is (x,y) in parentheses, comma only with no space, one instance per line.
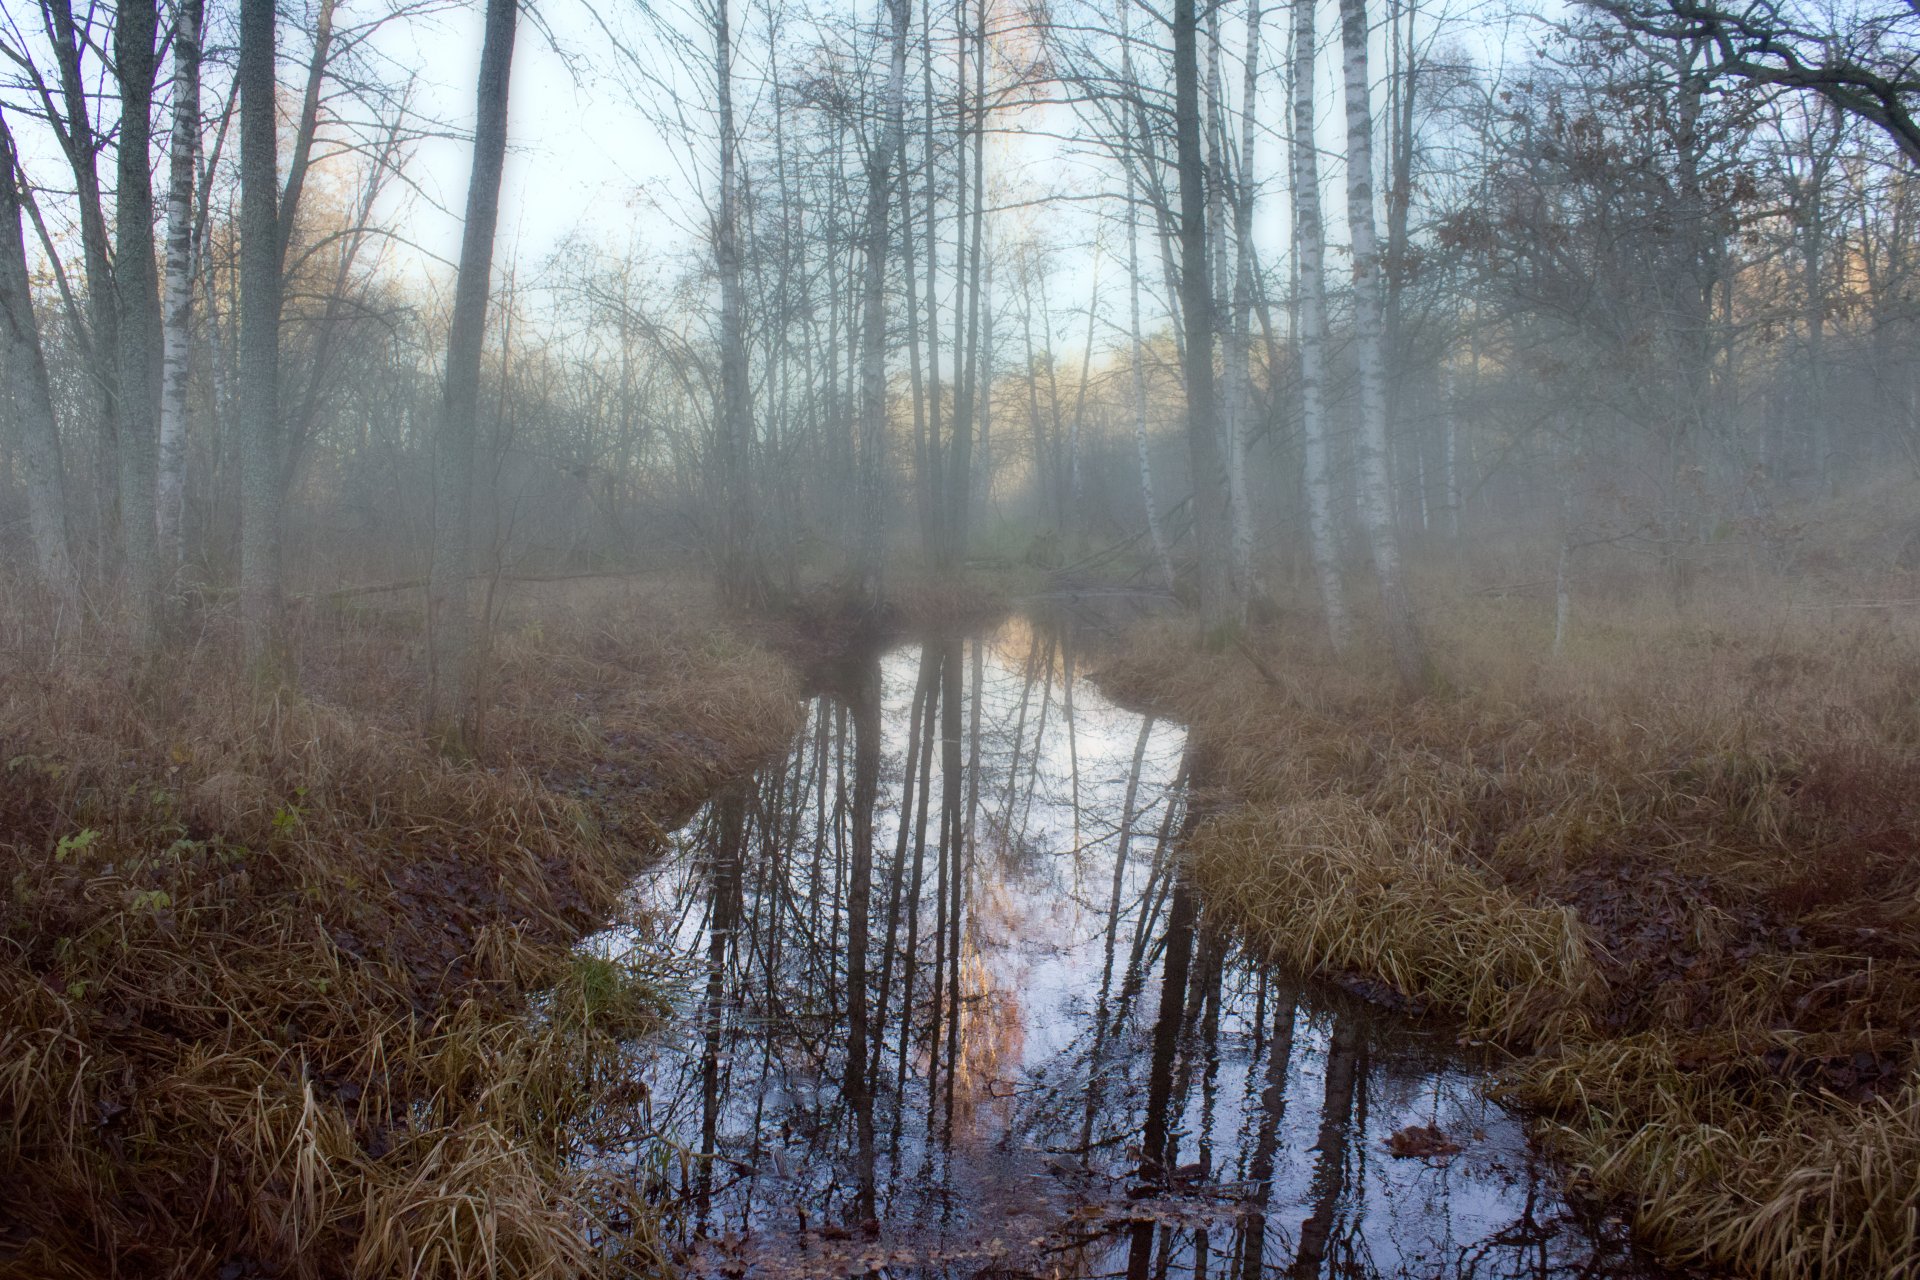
(1155,534)
(177,311)
(449,625)
(1311,253)
(137,287)
(1376,490)
(1240,334)
(1450,407)
(873,330)
(25,383)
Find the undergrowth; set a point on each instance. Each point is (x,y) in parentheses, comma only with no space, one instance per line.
(284,992)
(1675,870)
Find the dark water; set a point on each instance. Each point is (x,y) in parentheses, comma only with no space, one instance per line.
(1059,1066)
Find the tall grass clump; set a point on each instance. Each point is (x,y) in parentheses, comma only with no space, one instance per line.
(1321,885)
(1675,869)
(284,991)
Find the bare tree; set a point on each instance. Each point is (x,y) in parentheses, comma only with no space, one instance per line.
(177,311)
(1866,68)
(740,576)
(449,620)
(873,328)
(1310,242)
(1218,608)
(137,292)
(1376,486)
(24,360)
(259,336)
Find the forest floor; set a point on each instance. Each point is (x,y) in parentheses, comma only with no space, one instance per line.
(1675,871)
(272,963)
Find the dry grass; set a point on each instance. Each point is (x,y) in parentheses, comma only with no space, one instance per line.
(1322,885)
(1677,869)
(268,965)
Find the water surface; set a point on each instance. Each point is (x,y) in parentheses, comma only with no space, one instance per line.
(1030,1052)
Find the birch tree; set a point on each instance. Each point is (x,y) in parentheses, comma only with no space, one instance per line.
(177,305)
(1240,330)
(1376,486)
(1310,242)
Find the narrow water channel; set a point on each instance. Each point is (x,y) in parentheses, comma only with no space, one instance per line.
(1031,1053)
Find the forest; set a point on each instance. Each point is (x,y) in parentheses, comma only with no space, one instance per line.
(992,638)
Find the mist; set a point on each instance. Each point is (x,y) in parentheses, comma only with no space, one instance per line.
(725,628)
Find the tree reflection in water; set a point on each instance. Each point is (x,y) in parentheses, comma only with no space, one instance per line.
(958,1011)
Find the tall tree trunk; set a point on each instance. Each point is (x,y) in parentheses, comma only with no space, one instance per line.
(1233,350)
(1140,158)
(873,330)
(1217,606)
(177,311)
(1240,335)
(260,286)
(1376,487)
(100,333)
(450,691)
(866,788)
(935,487)
(26,385)
(137,289)
(1310,235)
(970,152)
(739,569)
(1155,534)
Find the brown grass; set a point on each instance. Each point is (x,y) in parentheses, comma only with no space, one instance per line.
(1677,869)
(269,965)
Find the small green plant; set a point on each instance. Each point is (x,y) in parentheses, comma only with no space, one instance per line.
(288,816)
(74,845)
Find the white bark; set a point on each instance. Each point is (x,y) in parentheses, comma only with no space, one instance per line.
(1155,533)
(1240,336)
(1233,347)
(1311,248)
(177,300)
(1376,487)
(1452,424)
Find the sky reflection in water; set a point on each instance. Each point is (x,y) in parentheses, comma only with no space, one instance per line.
(1023,1156)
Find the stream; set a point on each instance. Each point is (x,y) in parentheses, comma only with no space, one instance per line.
(1033,1055)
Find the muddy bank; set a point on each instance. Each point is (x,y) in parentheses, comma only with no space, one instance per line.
(269,959)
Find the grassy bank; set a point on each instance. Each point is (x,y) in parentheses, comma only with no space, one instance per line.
(269,960)
(1676,870)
